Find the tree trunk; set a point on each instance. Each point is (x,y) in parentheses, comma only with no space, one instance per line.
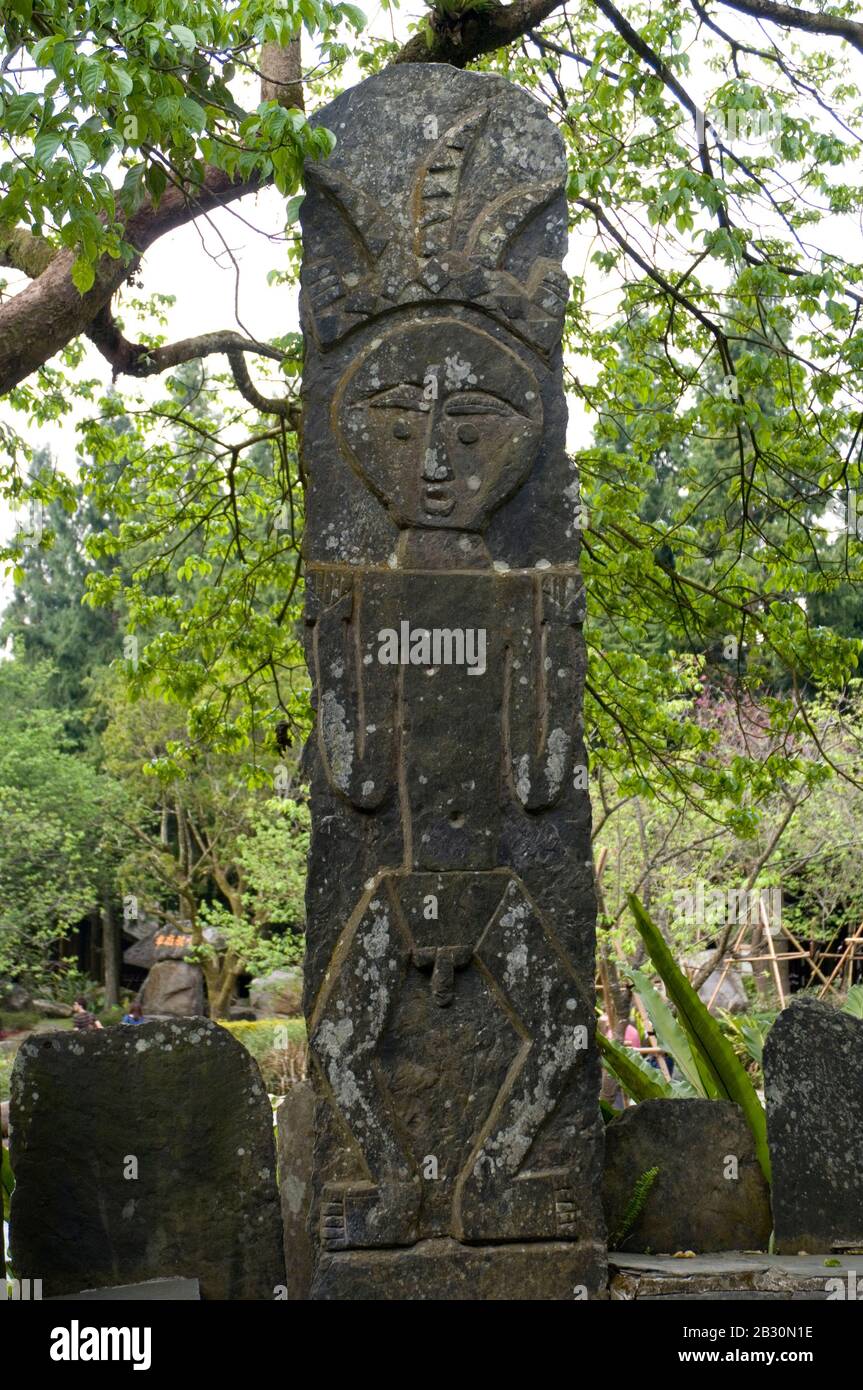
(110,954)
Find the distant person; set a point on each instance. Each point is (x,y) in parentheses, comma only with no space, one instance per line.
(84,1021)
(135,1014)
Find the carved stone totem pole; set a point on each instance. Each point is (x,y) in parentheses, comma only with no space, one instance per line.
(450,964)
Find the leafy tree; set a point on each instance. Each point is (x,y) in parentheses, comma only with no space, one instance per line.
(61,841)
(47,620)
(711,309)
(207,851)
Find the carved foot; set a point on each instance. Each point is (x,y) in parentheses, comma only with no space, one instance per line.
(538,1206)
(365,1215)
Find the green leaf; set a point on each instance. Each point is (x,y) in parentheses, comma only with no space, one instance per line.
(83,275)
(185,38)
(91,77)
(705,1035)
(156,180)
(45,147)
(854,1002)
(121,81)
(194,114)
(354,15)
(80,152)
(638,1079)
(292,211)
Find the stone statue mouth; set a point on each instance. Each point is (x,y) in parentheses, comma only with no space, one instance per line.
(438,501)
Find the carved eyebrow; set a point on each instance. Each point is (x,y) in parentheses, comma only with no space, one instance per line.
(398,397)
(481,403)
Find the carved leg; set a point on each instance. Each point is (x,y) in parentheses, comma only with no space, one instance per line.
(365,976)
(495,1198)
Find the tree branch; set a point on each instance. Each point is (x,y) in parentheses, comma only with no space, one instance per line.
(137,359)
(811,22)
(288,410)
(50,312)
(458,39)
(20,250)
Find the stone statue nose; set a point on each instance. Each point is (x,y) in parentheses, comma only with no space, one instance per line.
(436,468)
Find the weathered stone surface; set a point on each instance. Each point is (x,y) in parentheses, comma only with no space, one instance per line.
(735,1277)
(161,942)
(450,902)
(446,1271)
(174,988)
(693,1204)
(280,992)
(296,1139)
(181,1104)
(813,1082)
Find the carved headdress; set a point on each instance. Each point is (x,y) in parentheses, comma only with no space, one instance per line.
(441,256)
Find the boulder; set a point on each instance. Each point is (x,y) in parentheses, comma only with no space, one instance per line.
(144,1153)
(174,988)
(50,1008)
(730,994)
(813,1081)
(710,1193)
(14,997)
(280,992)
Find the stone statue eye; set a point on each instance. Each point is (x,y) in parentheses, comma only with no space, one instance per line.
(467,434)
(401,430)
(479,403)
(402,397)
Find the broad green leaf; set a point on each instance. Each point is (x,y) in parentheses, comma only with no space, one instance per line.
(640,1080)
(91,76)
(185,38)
(704,1033)
(83,275)
(45,147)
(854,1002)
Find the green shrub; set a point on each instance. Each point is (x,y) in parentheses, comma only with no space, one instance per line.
(278,1045)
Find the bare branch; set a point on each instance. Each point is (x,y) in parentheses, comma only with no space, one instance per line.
(288,410)
(137,359)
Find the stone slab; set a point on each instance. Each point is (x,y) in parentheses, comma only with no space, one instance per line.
(445,1271)
(450,903)
(152,1290)
(144,1153)
(740,1276)
(813,1082)
(710,1193)
(296,1138)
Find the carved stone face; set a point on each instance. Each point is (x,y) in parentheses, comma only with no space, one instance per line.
(441,421)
